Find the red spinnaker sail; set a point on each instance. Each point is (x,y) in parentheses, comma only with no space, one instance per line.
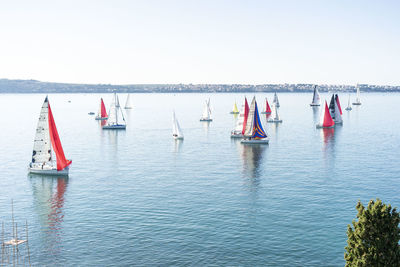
(268,109)
(62,162)
(246,114)
(338,104)
(103,110)
(328,122)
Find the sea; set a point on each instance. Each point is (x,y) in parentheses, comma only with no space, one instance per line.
(139,198)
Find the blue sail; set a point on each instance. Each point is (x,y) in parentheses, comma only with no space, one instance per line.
(258,131)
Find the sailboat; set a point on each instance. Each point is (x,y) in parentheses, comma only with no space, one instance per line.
(267,108)
(335,110)
(254,132)
(316,101)
(241,122)
(128,104)
(275,116)
(276,100)
(46,140)
(358,99)
(235,109)
(348,108)
(102,114)
(176,129)
(113,123)
(326,120)
(206,112)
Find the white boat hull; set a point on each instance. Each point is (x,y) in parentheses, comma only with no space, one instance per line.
(315,105)
(356,103)
(49,171)
(236,135)
(234,112)
(114,127)
(128,108)
(264,141)
(205,119)
(178,137)
(319,126)
(100,119)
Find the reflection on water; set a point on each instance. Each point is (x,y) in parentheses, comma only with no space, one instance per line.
(252,158)
(315,110)
(206,126)
(48,197)
(177,145)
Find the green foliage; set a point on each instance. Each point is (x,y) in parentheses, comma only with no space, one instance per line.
(374,238)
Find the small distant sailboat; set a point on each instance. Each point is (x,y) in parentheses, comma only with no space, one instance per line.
(358,99)
(102,114)
(235,109)
(46,140)
(176,129)
(348,108)
(113,123)
(267,108)
(276,100)
(275,116)
(326,120)
(316,101)
(241,122)
(128,104)
(206,112)
(254,132)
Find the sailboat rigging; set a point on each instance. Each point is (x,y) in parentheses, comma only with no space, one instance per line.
(102,114)
(316,101)
(254,132)
(113,121)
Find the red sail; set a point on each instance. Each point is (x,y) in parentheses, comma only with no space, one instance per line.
(328,122)
(103,110)
(268,109)
(338,104)
(246,114)
(62,162)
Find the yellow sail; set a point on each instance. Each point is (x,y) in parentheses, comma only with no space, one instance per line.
(235,109)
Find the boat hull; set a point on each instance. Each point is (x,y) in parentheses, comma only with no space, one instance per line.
(233,112)
(127,108)
(205,119)
(356,104)
(178,137)
(348,109)
(255,141)
(263,112)
(237,136)
(315,105)
(275,121)
(114,127)
(318,126)
(100,118)
(49,172)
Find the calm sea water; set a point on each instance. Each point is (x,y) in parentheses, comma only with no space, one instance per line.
(137,197)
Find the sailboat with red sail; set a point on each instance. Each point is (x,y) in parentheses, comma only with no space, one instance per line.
(254,132)
(102,114)
(267,108)
(326,120)
(241,122)
(47,140)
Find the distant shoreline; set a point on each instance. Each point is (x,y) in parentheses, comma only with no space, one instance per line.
(34,86)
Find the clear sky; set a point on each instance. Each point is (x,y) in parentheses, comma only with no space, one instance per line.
(216,41)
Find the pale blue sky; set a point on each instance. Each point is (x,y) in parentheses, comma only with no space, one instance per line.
(252,42)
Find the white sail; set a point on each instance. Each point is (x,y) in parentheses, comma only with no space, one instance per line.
(275,114)
(176,129)
(239,122)
(358,99)
(206,111)
(128,104)
(276,100)
(42,143)
(99,112)
(348,104)
(338,117)
(316,98)
(115,112)
(250,121)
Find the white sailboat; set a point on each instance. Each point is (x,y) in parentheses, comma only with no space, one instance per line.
(176,129)
(275,115)
(358,99)
(47,140)
(206,112)
(254,132)
(276,100)
(240,123)
(128,104)
(338,114)
(316,101)
(114,122)
(348,108)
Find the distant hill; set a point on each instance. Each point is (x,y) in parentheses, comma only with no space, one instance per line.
(34,86)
